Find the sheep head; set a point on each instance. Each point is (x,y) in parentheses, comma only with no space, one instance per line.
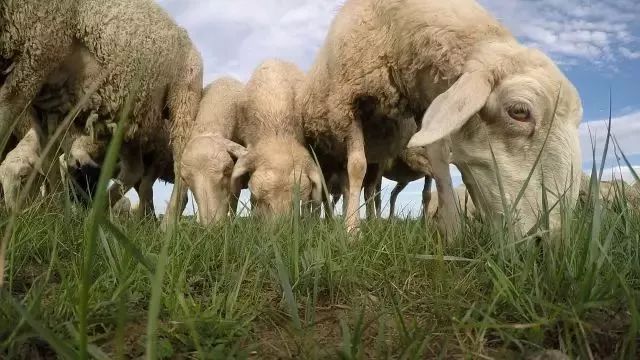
(511,103)
(206,166)
(277,169)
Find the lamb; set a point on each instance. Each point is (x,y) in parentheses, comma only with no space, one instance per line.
(147,57)
(472,80)
(276,160)
(210,154)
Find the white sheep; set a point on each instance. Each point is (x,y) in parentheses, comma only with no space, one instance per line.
(210,154)
(277,160)
(477,82)
(139,49)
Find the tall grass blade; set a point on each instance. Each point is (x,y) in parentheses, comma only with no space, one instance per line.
(92,224)
(56,343)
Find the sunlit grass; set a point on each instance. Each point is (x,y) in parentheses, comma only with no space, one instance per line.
(301,288)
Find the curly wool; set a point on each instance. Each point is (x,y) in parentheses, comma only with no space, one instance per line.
(219,111)
(148,58)
(400,43)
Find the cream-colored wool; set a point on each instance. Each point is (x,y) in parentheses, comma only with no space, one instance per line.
(144,55)
(208,159)
(277,160)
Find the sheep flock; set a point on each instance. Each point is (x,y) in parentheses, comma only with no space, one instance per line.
(400,89)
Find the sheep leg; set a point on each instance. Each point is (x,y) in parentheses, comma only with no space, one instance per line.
(426,195)
(177,201)
(183,104)
(356,169)
(131,172)
(144,188)
(370,184)
(394,196)
(447,216)
(233,203)
(378,197)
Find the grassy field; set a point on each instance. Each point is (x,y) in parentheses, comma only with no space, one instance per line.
(303,288)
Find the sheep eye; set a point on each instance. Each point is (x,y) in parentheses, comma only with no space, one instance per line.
(519,113)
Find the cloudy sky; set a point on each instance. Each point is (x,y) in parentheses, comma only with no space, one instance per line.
(596,43)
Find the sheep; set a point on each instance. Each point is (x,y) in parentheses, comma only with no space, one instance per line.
(277,158)
(139,51)
(452,65)
(210,154)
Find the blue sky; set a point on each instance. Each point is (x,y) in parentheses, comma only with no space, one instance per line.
(595,42)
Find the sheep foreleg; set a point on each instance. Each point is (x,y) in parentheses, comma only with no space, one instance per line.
(356,169)
(447,216)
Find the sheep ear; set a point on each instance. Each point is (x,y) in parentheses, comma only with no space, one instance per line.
(243,166)
(234,149)
(453,108)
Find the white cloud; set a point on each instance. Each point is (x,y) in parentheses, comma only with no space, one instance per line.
(629,54)
(625,129)
(571,29)
(620,172)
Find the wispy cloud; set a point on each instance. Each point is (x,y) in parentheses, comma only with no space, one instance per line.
(572,30)
(624,129)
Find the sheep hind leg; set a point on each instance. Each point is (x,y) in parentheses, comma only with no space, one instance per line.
(394,197)
(426,195)
(144,189)
(131,172)
(370,185)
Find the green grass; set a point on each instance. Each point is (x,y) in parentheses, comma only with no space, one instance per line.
(301,288)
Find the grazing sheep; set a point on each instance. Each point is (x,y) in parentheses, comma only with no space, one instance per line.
(277,159)
(208,158)
(475,79)
(139,49)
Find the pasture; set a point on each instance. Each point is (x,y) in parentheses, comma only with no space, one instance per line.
(301,287)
